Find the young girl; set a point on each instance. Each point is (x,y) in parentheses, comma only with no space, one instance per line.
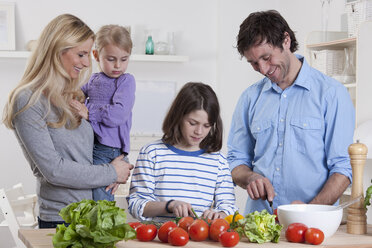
(185,169)
(110,100)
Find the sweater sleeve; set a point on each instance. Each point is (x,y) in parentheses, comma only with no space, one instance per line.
(119,111)
(142,185)
(224,193)
(36,139)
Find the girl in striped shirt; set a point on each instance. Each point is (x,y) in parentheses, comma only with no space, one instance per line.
(185,169)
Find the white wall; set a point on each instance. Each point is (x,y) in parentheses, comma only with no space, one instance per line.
(205,30)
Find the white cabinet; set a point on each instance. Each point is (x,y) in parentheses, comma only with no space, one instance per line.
(361,90)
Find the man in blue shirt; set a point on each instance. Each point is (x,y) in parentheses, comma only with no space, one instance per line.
(291,130)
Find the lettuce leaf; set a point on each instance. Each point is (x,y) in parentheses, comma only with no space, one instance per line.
(367,200)
(92,224)
(259,227)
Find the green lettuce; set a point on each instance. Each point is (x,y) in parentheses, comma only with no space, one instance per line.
(259,227)
(367,200)
(92,224)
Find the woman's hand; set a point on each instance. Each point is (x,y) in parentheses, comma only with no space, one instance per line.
(122,169)
(212,215)
(79,109)
(180,208)
(113,186)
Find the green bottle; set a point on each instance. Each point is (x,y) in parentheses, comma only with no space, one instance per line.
(149,45)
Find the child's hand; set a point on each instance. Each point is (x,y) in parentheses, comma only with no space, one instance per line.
(210,214)
(79,108)
(180,208)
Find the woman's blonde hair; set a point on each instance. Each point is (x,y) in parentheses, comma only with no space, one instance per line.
(114,35)
(45,74)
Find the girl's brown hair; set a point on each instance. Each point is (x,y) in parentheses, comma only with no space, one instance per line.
(194,96)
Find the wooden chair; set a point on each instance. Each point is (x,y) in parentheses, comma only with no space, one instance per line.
(18,210)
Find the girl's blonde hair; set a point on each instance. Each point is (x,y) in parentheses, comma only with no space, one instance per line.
(45,74)
(114,35)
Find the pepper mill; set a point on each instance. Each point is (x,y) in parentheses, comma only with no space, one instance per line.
(357,219)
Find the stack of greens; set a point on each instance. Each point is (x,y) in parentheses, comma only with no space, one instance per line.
(259,227)
(92,224)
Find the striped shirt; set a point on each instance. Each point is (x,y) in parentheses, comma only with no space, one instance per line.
(164,172)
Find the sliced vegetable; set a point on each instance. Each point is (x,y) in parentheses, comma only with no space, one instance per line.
(259,227)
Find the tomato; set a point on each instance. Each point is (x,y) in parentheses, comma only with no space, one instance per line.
(276,215)
(164,230)
(217,227)
(146,232)
(178,237)
(229,239)
(134,225)
(199,230)
(314,236)
(296,232)
(185,222)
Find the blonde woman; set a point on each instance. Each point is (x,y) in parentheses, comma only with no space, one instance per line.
(57,143)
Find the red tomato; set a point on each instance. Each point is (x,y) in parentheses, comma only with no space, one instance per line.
(185,222)
(146,232)
(229,239)
(178,237)
(199,230)
(276,215)
(296,232)
(314,236)
(134,225)
(217,227)
(164,230)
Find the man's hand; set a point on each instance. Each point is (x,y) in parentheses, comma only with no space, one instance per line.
(257,186)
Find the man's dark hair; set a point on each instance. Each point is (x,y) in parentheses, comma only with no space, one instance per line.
(265,26)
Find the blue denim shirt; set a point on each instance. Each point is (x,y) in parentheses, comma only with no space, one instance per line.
(297,137)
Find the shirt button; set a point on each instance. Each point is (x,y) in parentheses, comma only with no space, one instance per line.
(258,129)
(284,95)
(281,120)
(305,125)
(277,168)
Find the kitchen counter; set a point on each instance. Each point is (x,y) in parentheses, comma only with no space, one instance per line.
(42,238)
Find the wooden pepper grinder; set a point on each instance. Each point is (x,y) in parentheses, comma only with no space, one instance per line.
(357,219)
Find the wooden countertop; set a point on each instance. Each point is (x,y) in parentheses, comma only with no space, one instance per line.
(42,238)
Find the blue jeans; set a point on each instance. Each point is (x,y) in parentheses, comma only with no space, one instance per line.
(49,224)
(101,155)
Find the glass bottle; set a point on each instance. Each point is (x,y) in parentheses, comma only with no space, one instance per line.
(348,73)
(149,45)
(172,49)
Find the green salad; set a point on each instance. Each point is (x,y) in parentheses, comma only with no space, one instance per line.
(367,200)
(92,224)
(259,227)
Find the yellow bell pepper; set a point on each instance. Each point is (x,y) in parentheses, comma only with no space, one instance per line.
(229,218)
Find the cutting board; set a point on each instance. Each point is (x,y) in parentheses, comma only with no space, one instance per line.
(42,238)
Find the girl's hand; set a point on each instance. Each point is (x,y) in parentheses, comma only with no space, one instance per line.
(180,208)
(122,169)
(79,109)
(212,215)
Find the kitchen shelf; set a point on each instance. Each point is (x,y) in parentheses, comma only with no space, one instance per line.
(134,57)
(360,91)
(335,44)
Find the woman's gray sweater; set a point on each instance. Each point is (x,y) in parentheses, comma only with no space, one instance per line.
(60,159)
